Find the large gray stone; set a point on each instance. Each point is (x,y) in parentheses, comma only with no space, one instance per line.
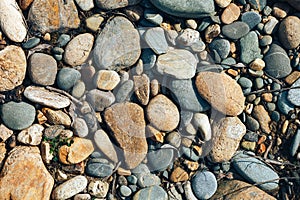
(249,48)
(294,94)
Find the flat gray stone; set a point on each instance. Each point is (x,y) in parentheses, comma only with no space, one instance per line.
(151,193)
(204,184)
(236,30)
(294,94)
(155,38)
(100,99)
(249,48)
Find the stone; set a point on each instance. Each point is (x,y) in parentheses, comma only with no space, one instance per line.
(174,139)
(24,175)
(115,4)
(125,191)
(49,16)
(134,13)
(294,94)
(204,184)
(294,3)
(93,22)
(106,79)
(67,77)
(280,10)
(184,93)
(12,21)
(17,116)
(99,168)
(178,63)
(258,4)
(142,88)
(222,3)
(188,192)
(289,32)
(5,133)
(228,133)
(32,135)
(271,26)
(249,48)
(295,143)
(126,121)
(221,46)
(78,49)
(255,171)
(45,97)
(188,37)
(125,91)
(78,89)
(42,69)
(156,39)
(105,145)
(162,113)
(189,9)
(211,32)
(235,189)
(78,151)
(292,78)
(30,43)
(2,152)
(98,189)
(262,116)
(85,5)
(160,159)
(80,127)
(12,67)
(153,17)
(179,175)
(235,30)
(230,14)
(117,45)
(257,64)
(201,122)
(100,100)
(82,197)
(252,18)
(232,101)
(70,188)
(57,117)
(146,180)
(46,152)
(24,4)
(63,40)
(245,82)
(252,124)
(283,104)
(151,193)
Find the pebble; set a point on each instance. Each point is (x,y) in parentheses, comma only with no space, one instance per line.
(118,37)
(57,117)
(249,48)
(17,116)
(32,42)
(277,62)
(258,4)
(115,4)
(32,135)
(78,49)
(178,63)
(248,145)
(42,69)
(12,21)
(24,175)
(125,191)
(146,180)
(82,197)
(280,10)
(105,145)
(229,90)
(189,153)
(162,113)
(211,32)
(100,100)
(251,18)
(289,31)
(235,30)
(93,22)
(222,3)
(255,171)
(149,58)
(63,40)
(221,46)
(283,104)
(155,38)
(189,9)
(78,89)
(151,193)
(230,14)
(70,188)
(67,78)
(5,133)
(12,66)
(153,17)
(63,15)
(85,5)
(106,79)
(188,37)
(252,124)
(295,143)
(160,159)
(257,64)
(202,123)
(266,40)
(245,82)
(98,188)
(126,121)
(125,91)
(204,184)
(24,4)
(184,93)
(80,127)
(45,97)
(179,175)
(228,133)
(271,26)
(188,192)
(142,88)
(290,79)
(262,116)
(99,168)
(294,95)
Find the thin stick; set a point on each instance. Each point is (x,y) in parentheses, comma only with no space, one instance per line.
(262,91)
(65,94)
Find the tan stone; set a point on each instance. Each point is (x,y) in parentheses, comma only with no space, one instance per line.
(223,3)
(5,133)
(257,65)
(2,152)
(162,113)
(179,175)
(230,14)
(31,135)
(280,10)
(142,88)
(12,67)
(290,79)
(262,116)
(211,32)
(235,189)
(24,4)
(289,32)
(222,92)
(126,120)
(24,175)
(107,79)
(57,117)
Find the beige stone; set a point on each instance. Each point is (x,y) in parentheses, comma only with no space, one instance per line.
(290,79)
(289,32)
(230,14)
(179,175)
(105,145)
(57,117)
(24,4)
(223,3)
(142,88)
(5,133)
(31,135)
(107,79)
(262,116)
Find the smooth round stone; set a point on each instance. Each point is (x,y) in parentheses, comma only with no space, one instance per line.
(174,139)
(100,99)
(17,116)
(185,8)
(245,82)
(125,91)
(190,154)
(249,48)
(32,42)
(63,40)
(289,32)
(236,30)
(275,116)
(58,57)
(67,78)
(271,26)
(252,124)
(93,22)
(258,4)
(221,46)
(251,18)
(277,62)
(271,106)
(78,89)
(204,184)
(132,179)
(222,3)
(266,40)
(151,193)
(99,169)
(42,69)
(156,39)
(125,191)
(188,37)
(146,180)
(230,14)
(160,159)
(105,145)
(251,136)
(80,127)
(58,50)
(259,83)
(153,17)
(149,58)
(106,79)
(294,94)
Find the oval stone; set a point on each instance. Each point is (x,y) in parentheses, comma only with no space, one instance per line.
(236,30)
(289,32)
(151,193)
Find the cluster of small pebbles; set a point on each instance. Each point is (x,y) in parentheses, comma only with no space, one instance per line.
(149,99)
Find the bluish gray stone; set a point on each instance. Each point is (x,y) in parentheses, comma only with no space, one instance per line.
(258,4)
(255,171)
(190,154)
(252,124)
(295,143)
(251,18)
(259,83)
(277,62)
(146,180)
(228,61)
(185,8)
(271,106)
(17,116)
(204,184)
(221,46)
(132,179)
(78,89)
(100,100)
(125,191)
(184,93)
(155,38)
(251,136)
(249,48)
(275,116)
(267,10)
(204,24)
(98,168)
(63,40)
(140,169)
(67,78)
(151,193)
(160,159)
(149,58)
(58,50)
(235,30)
(125,91)
(153,17)
(32,42)
(294,94)
(245,82)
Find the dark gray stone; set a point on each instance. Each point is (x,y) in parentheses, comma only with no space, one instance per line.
(258,4)
(67,78)
(251,136)
(160,159)
(204,184)
(32,42)
(245,82)
(125,91)
(235,30)
(98,168)
(221,46)
(249,48)
(252,124)
(251,18)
